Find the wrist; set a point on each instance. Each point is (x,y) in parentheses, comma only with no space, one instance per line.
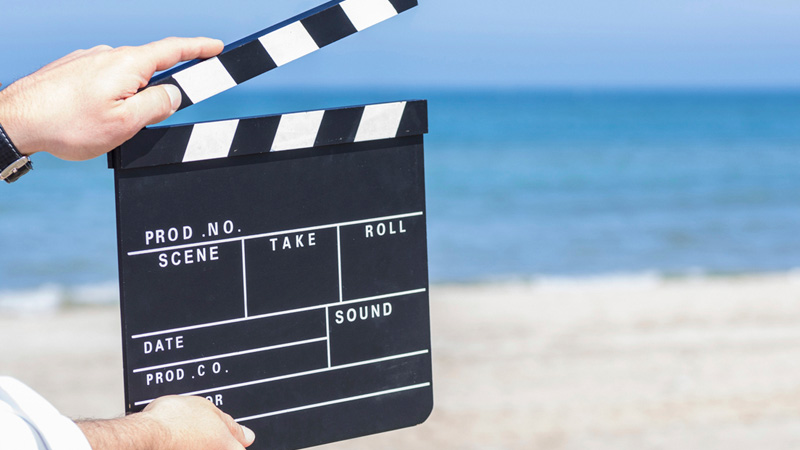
(158,435)
(133,432)
(14,122)
(13,163)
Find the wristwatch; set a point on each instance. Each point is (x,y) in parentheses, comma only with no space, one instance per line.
(12,164)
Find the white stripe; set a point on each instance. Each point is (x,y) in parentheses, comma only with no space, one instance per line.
(275,233)
(328,334)
(339,259)
(210,140)
(288,43)
(366,13)
(244,279)
(232,354)
(380,121)
(334,402)
(280,313)
(298,130)
(204,80)
(297,375)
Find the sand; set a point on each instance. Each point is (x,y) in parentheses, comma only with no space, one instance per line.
(643,363)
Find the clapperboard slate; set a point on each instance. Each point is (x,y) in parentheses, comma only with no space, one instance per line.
(277,265)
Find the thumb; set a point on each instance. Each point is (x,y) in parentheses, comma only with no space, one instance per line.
(154,104)
(247,437)
(241,433)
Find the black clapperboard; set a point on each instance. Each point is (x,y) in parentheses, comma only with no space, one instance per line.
(277,265)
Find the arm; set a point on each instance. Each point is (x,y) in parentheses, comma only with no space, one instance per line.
(170,423)
(80,107)
(89,102)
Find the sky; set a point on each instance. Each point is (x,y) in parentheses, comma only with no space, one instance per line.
(451,43)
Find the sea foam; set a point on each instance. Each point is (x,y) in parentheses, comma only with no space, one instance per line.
(51,297)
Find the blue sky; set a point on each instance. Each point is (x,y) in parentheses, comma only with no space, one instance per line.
(504,43)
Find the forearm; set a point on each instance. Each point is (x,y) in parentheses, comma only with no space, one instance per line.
(170,423)
(133,432)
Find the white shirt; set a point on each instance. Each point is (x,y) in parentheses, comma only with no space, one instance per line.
(29,422)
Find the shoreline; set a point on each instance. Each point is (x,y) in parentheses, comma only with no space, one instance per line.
(56,297)
(694,363)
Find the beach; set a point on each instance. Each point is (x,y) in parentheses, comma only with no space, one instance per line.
(602,363)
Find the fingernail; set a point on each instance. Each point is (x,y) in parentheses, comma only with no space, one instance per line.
(174,96)
(248,434)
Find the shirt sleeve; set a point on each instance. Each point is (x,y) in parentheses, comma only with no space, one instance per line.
(29,422)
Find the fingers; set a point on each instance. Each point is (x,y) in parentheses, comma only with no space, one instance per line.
(75,55)
(153,105)
(156,103)
(170,51)
(244,435)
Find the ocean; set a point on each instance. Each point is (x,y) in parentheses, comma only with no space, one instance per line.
(520,185)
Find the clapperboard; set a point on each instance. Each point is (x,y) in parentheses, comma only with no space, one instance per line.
(277,265)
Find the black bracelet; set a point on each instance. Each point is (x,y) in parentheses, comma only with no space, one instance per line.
(12,164)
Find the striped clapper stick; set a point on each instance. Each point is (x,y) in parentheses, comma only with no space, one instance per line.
(277,266)
(278,45)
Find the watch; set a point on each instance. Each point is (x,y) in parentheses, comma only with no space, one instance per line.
(12,164)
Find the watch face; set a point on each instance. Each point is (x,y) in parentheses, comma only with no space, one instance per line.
(16,169)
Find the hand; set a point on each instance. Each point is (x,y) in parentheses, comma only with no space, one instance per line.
(88,102)
(194,422)
(170,423)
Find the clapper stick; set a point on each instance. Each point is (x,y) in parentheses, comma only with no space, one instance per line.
(276,133)
(277,45)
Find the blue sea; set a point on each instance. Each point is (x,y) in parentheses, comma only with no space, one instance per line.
(520,185)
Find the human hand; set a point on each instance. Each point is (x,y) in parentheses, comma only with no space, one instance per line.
(194,422)
(170,423)
(88,102)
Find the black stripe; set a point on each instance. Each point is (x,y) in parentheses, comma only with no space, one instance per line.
(185,101)
(403,5)
(113,158)
(414,120)
(155,147)
(339,126)
(254,135)
(247,61)
(329,26)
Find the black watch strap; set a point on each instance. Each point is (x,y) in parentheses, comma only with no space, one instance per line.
(12,164)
